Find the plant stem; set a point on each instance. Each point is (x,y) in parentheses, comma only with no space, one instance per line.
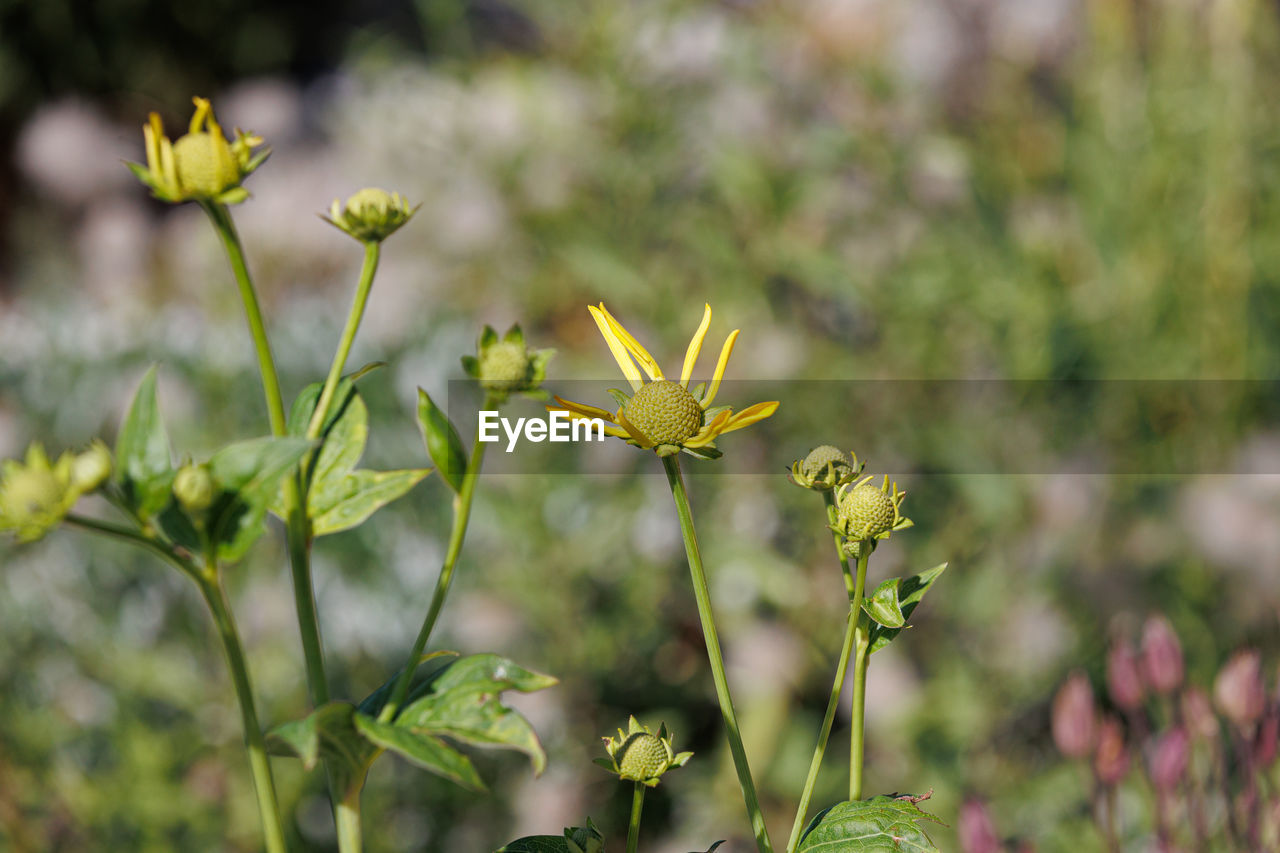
(211,587)
(371,251)
(703,597)
(347,818)
(633,831)
(854,586)
(860,658)
(461,515)
(133,537)
(833,702)
(226,229)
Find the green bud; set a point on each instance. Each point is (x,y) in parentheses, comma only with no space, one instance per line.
(504,367)
(36,495)
(89,470)
(194,488)
(371,215)
(825,468)
(867,512)
(584,839)
(639,755)
(206,165)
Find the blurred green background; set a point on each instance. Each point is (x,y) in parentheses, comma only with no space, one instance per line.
(1059,190)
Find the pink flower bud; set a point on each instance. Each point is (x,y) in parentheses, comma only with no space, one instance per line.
(1111,761)
(1074,718)
(977,832)
(1161,655)
(1168,759)
(1123,680)
(1238,690)
(1197,711)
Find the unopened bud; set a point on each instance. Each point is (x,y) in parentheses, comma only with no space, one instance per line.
(1168,759)
(1197,712)
(1074,718)
(1124,683)
(1111,761)
(193,487)
(1238,691)
(90,469)
(1161,656)
(977,832)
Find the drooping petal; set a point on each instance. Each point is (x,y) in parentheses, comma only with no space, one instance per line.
(636,435)
(710,430)
(695,347)
(204,110)
(616,347)
(633,346)
(582,409)
(750,415)
(725,352)
(152,132)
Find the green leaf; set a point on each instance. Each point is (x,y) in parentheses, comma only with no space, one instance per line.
(620,397)
(878,825)
(359,495)
(248,475)
(421,683)
(144,466)
(713,847)
(537,844)
(488,337)
(424,750)
(882,605)
(443,443)
(514,335)
(328,733)
(461,701)
(471,366)
(910,592)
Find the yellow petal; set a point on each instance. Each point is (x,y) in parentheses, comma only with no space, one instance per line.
(750,415)
(615,346)
(708,433)
(168,166)
(635,434)
(725,352)
(203,109)
(152,132)
(695,347)
(582,409)
(641,354)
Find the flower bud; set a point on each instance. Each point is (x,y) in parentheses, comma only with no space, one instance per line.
(825,468)
(1124,683)
(371,215)
(36,495)
(1198,714)
(1161,656)
(1074,719)
(1111,760)
(193,487)
(1167,761)
(639,755)
(89,470)
(977,832)
(584,839)
(505,367)
(1238,691)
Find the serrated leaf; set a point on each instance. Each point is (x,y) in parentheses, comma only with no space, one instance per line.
(360,495)
(424,750)
(878,825)
(882,605)
(910,592)
(462,702)
(248,475)
(144,465)
(443,444)
(329,732)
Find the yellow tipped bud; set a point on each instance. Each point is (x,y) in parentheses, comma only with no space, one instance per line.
(194,488)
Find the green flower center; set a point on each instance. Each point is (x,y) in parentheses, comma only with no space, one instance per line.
(664,412)
(205,164)
(866,512)
(30,492)
(644,757)
(815,464)
(504,367)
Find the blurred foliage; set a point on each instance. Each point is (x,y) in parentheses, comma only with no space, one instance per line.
(904,191)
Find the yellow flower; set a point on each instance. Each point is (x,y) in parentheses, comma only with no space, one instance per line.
(660,414)
(37,495)
(200,166)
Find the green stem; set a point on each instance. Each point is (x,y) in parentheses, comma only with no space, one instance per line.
(861,655)
(633,831)
(832,703)
(371,250)
(674,477)
(211,587)
(461,515)
(854,586)
(133,537)
(226,229)
(347,817)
